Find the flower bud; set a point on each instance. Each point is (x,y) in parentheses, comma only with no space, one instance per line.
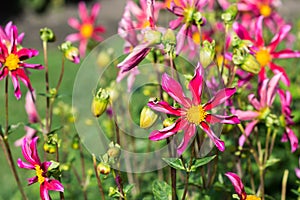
(103,168)
(114,152)
(169,121)
(75,142)
(71,52)
(207,53)
(229,15)
(47,35)
(153,37)
(250,64)
(100,101)
(49,147)
(147,118)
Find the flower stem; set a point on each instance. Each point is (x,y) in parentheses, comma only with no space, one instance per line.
(284,184)
(100,187)
(83,172)
(61,73)
(47,86)
(6,147)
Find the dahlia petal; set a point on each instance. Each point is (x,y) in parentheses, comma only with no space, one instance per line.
(99,29)
(74,23)
(195,85)
(175,23)
(291,136)
(246,115)
(286,53)
(218,143)
(34,153)
(20,73)
(241,31)
(220,97)
(26,151)
(297,171)
(189,133)
(3,73)
(16,85)
(54,185)
(44,192)
(164,107)
(237,183)
(45,165)
(248,130)
(82,47)
(277,69)
(32,180)
(259,31)
(279,37)
(164,133)
(212,119)
(95,11)
(32,66)
(181,35)
(253,100)
(82,11)
(73,37)
(24,165)
(174,89)
(273,83)
(262,92)
(30,133)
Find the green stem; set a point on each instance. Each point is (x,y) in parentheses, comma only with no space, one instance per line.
(47,87)
(284,184)
(100,187)
(83,183)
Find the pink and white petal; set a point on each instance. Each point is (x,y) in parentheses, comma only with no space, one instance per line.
(83,12)
(212,119)
(297,171)
(262,92)
(175,23)
(32,66)
(292,138)
(82,47)
(164,107)
(24,53)
(253,100)
(168,131)
(74,23)
(32,180)
(54,185)
(273,84)
(218,143)
(45,165)
(73,37)
(174,89)
(97,37)
(284,30)
(24,165)
(259,31)
(277,69)
(250,126)
(16,85)
(220,97)
(286,53)
(189,133)
(246,115)
(44,192)
(3,73)
(34,153)
(195,85)
(23,77)
(237,183)
(95,11)
(241,31)
(30,133)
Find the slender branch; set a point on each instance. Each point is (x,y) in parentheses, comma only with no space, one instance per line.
(284,184)
(47,86)
(61,75)
(83,183)
(100,187)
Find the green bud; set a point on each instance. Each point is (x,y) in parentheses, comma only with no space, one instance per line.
(114,152)
(49,147)
(169,121)
(152,36)
(197,17)
(207,53)
(100,102)
(169,37)
(230,14)
(103,168)
(250,64)
(70,52)
(147,117)
(47,35)
(75,142)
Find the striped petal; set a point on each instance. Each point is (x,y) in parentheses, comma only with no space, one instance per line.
(195,85)
(189,133)
(164,107)
(212,119)
(219,143)
(219,98)
(250,126)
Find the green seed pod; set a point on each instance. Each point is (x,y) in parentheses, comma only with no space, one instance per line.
(47,35)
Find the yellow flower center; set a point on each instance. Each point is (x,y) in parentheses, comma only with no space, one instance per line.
(265,10)
(12,62)
(39,174)
(86,30)
(263,57)
(146,24)
(189,15)
(252,197)
(196,114)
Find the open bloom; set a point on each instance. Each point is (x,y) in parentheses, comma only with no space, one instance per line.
(30,154)
(87,28)
(12,61)
(192,113)
(266,54)
(6,34)
(262,106)
(239,187)
(287,121)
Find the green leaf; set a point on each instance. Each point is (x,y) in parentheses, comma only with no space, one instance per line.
(175,163)
(161,190)
(128,188)
(201,161)
(13,127)
(272,161)
(35,126)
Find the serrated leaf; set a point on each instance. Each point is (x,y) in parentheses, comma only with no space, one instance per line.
(161,190)
(272,161)
(201,161)
(175,163)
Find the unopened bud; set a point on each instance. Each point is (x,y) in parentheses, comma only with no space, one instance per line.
(250,64)
(207,53)
(169,121)
(71,52)
(114,152)
(230,14)
(49,147)
(153,37)
(75,142)
(147,117)
(100,102)
(47,35)
(103,168)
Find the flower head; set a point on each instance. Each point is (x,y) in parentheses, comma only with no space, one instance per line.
(30,154)
(192,113)
(12,60)
(87,28)
(239,187)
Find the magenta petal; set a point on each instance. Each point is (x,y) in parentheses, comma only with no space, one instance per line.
(25,54)
(3,73)
(44,192)
(273,83)
(175,23)
(253,100)
(277,69)
(279,37)
(24,165)
(259,32)
(73,37)
(32,180)
(16,85)
(33,66)
(248,130)
(195,85)
(82,47)
(292,138)
(286,53)
(237,183)
(262,91)
(219,143)
(55,185)
(297,171)
(212,119)
(82,11)
(23,77)
(31,108)
(189,133)
(74,23)
(95,11)
(174,89)
(219,98)
(34,152)
(168,131)
(164,107)
(45,165)
(246,115)
(241,31)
